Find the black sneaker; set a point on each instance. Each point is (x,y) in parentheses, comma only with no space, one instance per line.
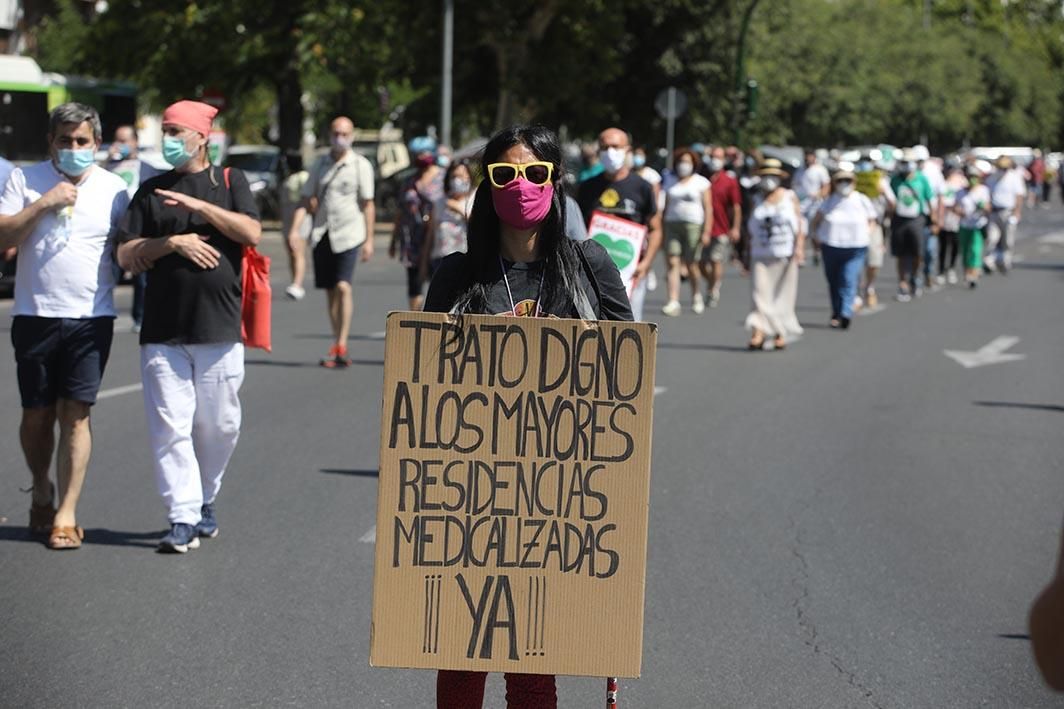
(181,538)
(208,524)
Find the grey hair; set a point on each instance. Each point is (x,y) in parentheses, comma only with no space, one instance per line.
(76,113)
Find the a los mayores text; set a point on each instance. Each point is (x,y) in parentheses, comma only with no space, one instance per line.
(535,501)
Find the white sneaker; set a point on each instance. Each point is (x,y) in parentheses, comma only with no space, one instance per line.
(652,281)
(672,308)
(698,305)
(951,277)
(940,280)
(295,292)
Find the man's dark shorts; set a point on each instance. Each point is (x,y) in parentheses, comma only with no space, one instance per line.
(330,268)
(60,358)
(907,237)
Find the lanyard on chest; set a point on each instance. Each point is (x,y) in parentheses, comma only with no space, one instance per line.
(510,294)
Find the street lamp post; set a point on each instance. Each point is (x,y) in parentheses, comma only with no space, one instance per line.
(448,65)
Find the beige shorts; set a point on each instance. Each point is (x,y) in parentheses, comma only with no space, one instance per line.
(683,239)
(719,249)
(876,247)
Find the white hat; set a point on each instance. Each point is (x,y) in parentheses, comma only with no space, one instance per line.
(921,153)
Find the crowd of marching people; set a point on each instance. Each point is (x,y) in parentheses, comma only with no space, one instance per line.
(182,235)
(943,223)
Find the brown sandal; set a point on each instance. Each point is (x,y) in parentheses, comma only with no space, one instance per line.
(66,538)
(42,517)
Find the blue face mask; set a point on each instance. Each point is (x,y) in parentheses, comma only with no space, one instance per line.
(638,161)
(174,151)
(123,151)
(75,162)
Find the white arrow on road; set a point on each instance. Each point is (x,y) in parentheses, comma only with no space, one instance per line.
(988,354)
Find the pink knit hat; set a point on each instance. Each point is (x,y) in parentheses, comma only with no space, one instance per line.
(191,114)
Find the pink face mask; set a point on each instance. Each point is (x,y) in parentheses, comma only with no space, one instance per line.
(522,204)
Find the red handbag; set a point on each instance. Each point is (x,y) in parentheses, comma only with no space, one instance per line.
(256,296)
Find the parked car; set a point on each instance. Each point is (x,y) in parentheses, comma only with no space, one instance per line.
(262,166)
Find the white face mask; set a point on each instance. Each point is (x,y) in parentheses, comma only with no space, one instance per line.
(716,164)
(341,142)
(684,169)
(612,159)
(769,183)
(845,189)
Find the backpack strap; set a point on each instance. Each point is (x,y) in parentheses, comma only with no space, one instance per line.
(225,175)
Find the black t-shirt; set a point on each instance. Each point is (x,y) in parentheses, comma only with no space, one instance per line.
(603,286)
(631,198)
(183,303)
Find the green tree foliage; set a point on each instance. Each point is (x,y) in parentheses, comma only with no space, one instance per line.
(831,71)
(61,38)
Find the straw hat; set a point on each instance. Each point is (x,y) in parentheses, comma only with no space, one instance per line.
(845,171)
(772,166)
(1004,162)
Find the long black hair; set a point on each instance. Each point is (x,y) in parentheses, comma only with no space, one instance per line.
(561,264)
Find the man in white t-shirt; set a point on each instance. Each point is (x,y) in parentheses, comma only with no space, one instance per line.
(812,184)
(1008,189)
(62,214)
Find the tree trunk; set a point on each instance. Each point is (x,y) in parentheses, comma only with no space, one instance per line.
(290,111)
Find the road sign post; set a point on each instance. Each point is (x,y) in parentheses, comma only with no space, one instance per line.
(670,105)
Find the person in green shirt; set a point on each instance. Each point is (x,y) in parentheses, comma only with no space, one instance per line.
(912,209)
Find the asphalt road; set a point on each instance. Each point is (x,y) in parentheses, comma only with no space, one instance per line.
(857,522)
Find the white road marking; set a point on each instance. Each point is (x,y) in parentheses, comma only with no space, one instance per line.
(377,335)
(369,537)
(119,391)
(1056,238)
(660,390)
(991,353)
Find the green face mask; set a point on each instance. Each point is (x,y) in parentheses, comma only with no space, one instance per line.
(174,151)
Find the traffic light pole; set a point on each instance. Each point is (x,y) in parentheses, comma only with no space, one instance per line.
(740,73)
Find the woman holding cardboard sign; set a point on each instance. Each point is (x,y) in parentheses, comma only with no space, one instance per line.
(520,263)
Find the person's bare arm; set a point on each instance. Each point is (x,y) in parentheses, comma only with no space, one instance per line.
(235,226)
(799,241)
(15,228)
(653,244)
(735,233)
(707,225)
(138,255)
(1046,624)
(369,212)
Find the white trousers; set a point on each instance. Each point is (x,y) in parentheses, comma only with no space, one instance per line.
(1000,237)
(639,295)
(192,408)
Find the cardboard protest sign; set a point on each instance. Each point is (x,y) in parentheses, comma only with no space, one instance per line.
(623,241)
(867,183)
(513,495)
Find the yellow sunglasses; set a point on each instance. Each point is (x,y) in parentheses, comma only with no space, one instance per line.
(503,173)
